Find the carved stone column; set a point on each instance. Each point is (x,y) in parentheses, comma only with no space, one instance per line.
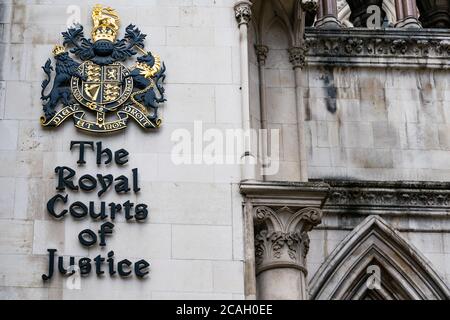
(261,54)
(243,15)
(434,13)
(281,247)
(297,58)
(406,14)
(310,8)
(399,10)
(327,15)
(283,214)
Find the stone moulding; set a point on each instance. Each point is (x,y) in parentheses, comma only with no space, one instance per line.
(420,198)
(405,272)
(378,48)
(281,237)
(283,213)
(282,194)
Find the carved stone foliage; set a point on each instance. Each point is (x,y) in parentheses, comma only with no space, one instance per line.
(243,12)
(297,56)
(281,236)
(352,45)
(379,47)
(261,53)
(431,196)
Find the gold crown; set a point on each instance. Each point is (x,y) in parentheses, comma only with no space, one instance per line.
(104,33)
(106,23)
(57,50)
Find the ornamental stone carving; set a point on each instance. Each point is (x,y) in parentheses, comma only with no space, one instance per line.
(310,8)
(352,45)
(261,54)
(243,12)
(281,236)
(381,197)
(297,57)
(418,48)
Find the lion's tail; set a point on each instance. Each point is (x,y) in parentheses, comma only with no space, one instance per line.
(47,69)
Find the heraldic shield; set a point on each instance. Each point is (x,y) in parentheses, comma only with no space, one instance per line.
(101,93)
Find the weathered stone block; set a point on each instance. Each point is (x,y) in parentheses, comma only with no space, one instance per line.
(16,237)
(373,109)
(188,36)
(7,198)
(281,106)
(385,135)
(202,242)
(228,276)
(141,240)
(29,202)
(227,104)
(370,158)
(9,131)
(320,157)
(356,134)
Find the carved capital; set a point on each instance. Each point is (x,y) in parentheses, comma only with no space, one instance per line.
(297,57)
(310,5)
(281,236)
(261,53)
(243,12)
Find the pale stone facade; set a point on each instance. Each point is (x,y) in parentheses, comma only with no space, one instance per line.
(356,118)
(193,236)
(375,108)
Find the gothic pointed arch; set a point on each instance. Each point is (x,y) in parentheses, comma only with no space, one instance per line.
(273,12)
(374,246)
(277,34)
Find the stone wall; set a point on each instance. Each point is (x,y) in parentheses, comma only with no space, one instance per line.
(193,237)
(364,123)
(279,90)
(378,123)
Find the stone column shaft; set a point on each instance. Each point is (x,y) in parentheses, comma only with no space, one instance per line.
(261,53)
(281,247)
(327,15)
(243,16)
(282,215)
(249,252)
(409,9)
(297,58)
(406,14)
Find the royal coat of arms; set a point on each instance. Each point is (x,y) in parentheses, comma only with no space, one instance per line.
(101,94)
